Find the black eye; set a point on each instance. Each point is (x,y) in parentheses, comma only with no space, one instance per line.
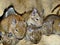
(36,19)
(16,30)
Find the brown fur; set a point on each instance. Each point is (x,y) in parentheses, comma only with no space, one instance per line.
(33,34)
(15,25)
(52,21)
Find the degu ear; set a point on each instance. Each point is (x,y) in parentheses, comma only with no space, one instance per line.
(41,13)
(9,11)
(34,11)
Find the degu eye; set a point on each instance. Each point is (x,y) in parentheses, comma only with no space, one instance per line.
(16,30)
(37,19)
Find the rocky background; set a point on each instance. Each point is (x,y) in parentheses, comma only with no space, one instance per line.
(44,6)
(22,6)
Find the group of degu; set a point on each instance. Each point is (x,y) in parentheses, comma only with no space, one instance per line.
(30,26)
(15,27)
(38,26)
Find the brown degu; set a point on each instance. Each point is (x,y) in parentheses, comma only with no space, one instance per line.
(9,40)
(51,23)
(14,26)
(33,34)
(34,18)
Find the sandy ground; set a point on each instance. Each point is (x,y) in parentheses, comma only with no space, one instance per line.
(46,40)
(26,5)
